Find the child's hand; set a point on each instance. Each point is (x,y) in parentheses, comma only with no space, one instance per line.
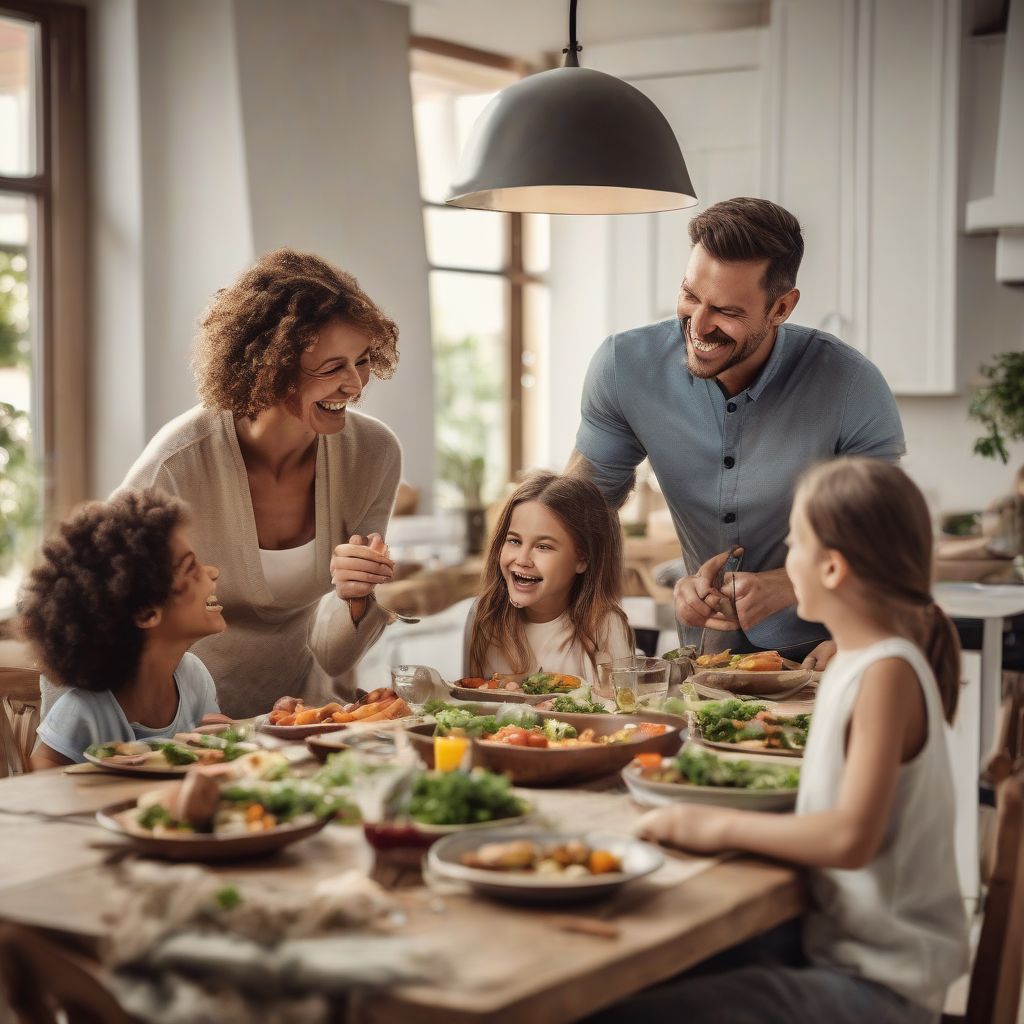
(215,718)
(687,826)
(357,567)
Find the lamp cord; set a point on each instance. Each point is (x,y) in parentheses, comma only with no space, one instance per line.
(571,51)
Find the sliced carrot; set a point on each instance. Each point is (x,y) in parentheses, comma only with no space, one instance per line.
(308,717)
(601,862)
(342,716)
(648,762)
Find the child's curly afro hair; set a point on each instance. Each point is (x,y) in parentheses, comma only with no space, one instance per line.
(110,561)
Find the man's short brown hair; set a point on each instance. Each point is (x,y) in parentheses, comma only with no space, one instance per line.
(247,356)
(747,230)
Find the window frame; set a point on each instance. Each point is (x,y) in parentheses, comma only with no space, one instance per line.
(59,188)
(514,273)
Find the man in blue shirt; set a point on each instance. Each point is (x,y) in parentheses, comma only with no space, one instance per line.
(731,403)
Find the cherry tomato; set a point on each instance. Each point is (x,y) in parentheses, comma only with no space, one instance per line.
(536,739)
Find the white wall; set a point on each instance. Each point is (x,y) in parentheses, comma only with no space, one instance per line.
(223,129)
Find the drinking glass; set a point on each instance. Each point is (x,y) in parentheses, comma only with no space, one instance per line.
(415,684)
(634,681)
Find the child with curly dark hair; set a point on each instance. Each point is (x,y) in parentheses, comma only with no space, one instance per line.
(111,611)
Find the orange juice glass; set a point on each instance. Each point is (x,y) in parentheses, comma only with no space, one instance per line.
(449,752)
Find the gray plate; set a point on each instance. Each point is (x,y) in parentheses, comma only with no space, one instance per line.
(638,859)
(661,794)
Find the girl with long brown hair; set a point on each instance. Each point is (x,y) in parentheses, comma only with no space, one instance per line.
(551,584)
(886,932)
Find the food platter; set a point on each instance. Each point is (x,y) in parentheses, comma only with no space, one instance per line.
(637,858)
(321,746)
(150,770)
(757,684)
(199,846)
(529,766)
(660,794)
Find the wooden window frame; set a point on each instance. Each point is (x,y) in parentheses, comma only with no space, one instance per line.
(514,271)
(60,191)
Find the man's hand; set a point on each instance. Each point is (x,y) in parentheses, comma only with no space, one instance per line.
(758,594)
(700,603)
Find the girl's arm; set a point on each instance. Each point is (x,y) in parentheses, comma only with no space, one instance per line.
(888,726)
(44,757)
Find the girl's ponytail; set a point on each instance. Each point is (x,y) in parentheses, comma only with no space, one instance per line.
(872,512)
(941,645)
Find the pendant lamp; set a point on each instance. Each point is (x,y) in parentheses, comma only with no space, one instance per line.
(572,140)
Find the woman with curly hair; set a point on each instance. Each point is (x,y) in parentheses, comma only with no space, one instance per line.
(118,599)
(291,489)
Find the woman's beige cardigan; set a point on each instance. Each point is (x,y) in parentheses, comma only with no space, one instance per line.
(270,650)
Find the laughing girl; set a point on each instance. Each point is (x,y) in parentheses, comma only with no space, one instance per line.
(551,584)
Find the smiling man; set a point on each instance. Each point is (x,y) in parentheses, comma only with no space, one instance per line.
(730,403)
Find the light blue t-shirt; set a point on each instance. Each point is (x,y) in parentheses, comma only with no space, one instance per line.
(82,717)
(728,466)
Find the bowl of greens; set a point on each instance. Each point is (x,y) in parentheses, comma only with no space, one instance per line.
(549,748)
(698,776)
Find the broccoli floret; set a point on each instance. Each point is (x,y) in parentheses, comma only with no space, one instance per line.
(154,815)
(556,730)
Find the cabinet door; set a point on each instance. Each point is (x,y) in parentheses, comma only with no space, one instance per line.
(863,149)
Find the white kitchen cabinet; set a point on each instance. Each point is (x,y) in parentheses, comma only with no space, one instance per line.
(862,146)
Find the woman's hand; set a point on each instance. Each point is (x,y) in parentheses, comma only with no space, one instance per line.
(357,567)
(692,827)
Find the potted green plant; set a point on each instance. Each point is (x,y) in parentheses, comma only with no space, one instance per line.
(466,472)
(998,405)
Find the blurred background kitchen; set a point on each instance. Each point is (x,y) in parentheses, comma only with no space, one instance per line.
(151,149)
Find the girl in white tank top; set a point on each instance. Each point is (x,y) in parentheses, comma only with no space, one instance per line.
(874,821)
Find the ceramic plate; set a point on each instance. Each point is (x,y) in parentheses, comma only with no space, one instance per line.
(756,684)
(323,745)
(638,859)
(155,769)
(659,794)
(200,846)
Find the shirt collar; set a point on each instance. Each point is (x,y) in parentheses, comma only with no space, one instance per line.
(767,371)
(775,360)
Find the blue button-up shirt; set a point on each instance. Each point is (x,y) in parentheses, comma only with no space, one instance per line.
(728,466)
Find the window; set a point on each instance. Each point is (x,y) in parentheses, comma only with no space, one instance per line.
(488,295)
(42,268)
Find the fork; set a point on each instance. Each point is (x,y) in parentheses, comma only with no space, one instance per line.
(718,582)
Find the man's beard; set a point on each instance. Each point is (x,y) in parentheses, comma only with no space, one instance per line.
(741,350)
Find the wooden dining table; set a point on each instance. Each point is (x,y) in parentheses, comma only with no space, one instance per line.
(496,962)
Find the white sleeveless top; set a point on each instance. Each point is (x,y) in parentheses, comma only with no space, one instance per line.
(288,571)
(899,921)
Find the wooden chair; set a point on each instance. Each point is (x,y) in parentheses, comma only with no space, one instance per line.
(995,985)
(19,718)
(45,983)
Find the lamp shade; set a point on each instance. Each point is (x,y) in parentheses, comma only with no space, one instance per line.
(572,140)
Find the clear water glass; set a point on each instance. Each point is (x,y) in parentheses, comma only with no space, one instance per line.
(646,679)
(415,684)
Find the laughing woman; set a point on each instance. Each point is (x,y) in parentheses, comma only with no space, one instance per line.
(288,484)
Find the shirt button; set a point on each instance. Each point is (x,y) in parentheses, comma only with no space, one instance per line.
(731,407)
(729,517)
(729,462)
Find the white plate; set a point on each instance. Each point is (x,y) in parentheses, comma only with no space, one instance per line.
(140,769)
(660,794)
(638,859)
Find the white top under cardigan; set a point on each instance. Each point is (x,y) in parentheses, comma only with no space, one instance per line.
(273,647)
(900,920)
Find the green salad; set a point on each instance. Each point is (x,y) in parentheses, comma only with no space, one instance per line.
(696,767)
(579,702)
(734,721)
(458,798)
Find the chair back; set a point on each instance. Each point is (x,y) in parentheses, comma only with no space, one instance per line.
(20,700)
(45,984)
(994,994)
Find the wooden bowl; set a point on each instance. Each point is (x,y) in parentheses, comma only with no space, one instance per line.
(533,766)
